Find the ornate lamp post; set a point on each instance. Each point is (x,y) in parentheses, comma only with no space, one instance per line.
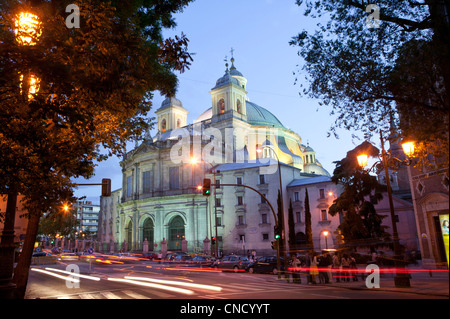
(401,278)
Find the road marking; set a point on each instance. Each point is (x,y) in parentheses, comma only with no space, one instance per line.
(109,295)
(135,295)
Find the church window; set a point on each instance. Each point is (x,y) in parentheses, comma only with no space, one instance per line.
(240,200)
(129,186)
(264,219)
(221,106)
(262,179)
(163,125)
(296,197)
(323,215)
(239,180)
(174,177)
(322,193)
(178,123)
(298,215)
(146,181)
(238,106)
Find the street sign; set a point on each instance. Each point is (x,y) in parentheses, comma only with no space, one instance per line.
(90,250)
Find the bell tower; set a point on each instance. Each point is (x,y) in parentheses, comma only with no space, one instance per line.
(171,115)
(229,95)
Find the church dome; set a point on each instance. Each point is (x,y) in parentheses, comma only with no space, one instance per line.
(225,80)
(257,115)
(169,102)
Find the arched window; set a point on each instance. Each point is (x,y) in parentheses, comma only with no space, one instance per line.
(176,233)
(239,107)
(148,232)
(129,235)
(163,125)
(221,106)
(178,123)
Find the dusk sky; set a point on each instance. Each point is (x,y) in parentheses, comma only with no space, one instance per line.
(259,31)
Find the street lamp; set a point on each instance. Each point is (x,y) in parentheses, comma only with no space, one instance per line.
(401,278)
(325,234)
(195,161)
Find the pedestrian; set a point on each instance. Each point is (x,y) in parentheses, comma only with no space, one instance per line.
(336,264)
(354,268)
(296,267)
(345,263)
(313,270)
(322,273)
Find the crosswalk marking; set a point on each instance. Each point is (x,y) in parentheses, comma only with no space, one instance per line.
(109,295)
(135,295)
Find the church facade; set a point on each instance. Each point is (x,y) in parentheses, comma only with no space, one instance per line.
(235,142)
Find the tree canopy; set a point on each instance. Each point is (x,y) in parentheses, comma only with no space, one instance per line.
(374,63)
(68,93)
(361,191)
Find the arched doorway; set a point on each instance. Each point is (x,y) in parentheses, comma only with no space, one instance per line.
(176,233)
(129,235)
(148,232)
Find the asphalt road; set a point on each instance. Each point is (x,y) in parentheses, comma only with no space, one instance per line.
(148,280)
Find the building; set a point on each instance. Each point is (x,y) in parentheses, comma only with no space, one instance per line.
(234,142)
(21,222)
(87,213)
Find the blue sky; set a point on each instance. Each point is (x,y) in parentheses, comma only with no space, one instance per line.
(259,31)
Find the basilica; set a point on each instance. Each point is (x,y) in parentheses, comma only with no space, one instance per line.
(233,143)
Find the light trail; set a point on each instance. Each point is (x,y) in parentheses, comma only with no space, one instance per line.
(176,283)
(150,285)
(74,274)
(71,279)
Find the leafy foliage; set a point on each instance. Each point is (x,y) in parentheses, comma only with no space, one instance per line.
(367,74)
(361,191)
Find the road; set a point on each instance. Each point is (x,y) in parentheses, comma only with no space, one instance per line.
(151,280)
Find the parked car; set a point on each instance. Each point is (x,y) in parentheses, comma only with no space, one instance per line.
(232,262)
(201,260)
(265,264)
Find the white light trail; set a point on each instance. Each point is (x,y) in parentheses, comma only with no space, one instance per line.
(56,275)
(150,285)
(176,283)
(74,274)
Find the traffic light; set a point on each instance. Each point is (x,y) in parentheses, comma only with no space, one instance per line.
(213,240)
(277,232)
(206,189)
(106,187)
(274,244)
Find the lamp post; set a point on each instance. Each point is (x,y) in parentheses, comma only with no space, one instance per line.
(325,234)
(401,278)
(194,161)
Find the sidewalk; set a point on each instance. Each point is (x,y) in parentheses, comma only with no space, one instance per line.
(434,283)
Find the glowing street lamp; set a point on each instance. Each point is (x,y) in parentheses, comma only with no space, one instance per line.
(362,160)
(408,148)
(325,233)
(27,28)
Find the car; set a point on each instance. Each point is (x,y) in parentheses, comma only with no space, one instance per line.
(68,256)
(232,262)
(265,264)
(182,259)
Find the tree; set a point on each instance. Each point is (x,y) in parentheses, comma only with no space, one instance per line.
(308,225)
(291,225)
(361,225)
(368,72)
(94,92)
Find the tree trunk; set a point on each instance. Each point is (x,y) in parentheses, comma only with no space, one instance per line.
(23,266)
(7,248)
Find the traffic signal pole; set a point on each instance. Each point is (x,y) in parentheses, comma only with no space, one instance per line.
(277,225)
